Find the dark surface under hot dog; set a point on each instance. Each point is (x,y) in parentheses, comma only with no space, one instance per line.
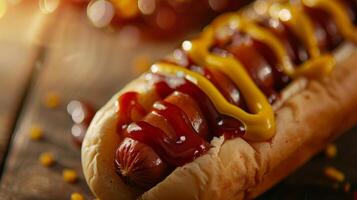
(176,134)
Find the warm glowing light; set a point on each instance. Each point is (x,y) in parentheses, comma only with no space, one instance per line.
(186,45)
(126,8)
(147,7)
(274,23)
(100,13)
(273,10)
(3,8)
(13,2)
(284,15)
(225,31)
(48,6)
(260,7)
(180,58)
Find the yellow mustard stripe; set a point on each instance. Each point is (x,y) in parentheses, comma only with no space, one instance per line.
(311,69)
(299,22)
(260,125)
(348,30)
(263,127)
(319,65)
(236,22)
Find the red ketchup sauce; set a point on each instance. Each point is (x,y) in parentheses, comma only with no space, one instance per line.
(293,45)
(259,61)
(178,150)
(128,102)
(223,83)
(217,124)
(187,143)
(326,30)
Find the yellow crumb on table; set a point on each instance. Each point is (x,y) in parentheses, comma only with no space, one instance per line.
(331,151)
(47,159)
(36,133)
(76,196)
(51,100)
(334,174)
(69,175)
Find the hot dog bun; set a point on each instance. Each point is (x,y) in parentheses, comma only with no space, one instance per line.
(311,114)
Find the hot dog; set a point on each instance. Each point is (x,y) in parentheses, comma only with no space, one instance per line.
(156,165)
(217,114)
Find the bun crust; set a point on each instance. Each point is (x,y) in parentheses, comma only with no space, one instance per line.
(311,114)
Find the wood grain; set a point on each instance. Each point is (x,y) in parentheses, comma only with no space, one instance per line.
(309,181)
(20,44)
(80,62)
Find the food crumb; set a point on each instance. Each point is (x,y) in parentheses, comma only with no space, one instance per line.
(52,100)
(36,133)
(334,174)
(47,159)
(347,187)
(331,151)
(76,196)
(69,175)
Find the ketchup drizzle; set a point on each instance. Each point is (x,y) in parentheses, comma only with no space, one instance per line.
(217,124)
(293,45)
(178,150)
(128,102)
(223,83)
(326,30)
(259,61)
(186,145)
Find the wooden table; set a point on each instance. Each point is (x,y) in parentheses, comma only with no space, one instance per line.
(60,52)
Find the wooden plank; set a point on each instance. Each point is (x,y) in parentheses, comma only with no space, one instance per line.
(309,182)
(85,63)
(81,62)
(20,39)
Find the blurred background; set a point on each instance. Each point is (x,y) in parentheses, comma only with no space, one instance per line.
(61,60)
